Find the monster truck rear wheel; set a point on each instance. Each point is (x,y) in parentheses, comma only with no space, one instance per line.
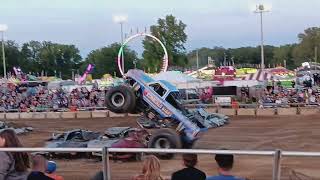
(165,139)
(121,99)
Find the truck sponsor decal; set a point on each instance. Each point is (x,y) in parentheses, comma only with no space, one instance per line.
(157,102)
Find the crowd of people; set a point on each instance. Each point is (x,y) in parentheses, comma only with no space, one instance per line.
(151,169)
(19,165)
(280,95)
(40,98)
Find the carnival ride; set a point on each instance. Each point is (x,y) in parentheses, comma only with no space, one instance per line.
(88,70)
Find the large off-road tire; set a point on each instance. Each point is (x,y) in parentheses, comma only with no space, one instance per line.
(121,99)
(165,139)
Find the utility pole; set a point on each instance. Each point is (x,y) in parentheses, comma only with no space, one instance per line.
(232,59)
(315,54)
(197,62)
(135,63)
(3,57)
(261,9)
(197,54)
(72,75)
(3,28)
(121,19)
(262,49)
(122,58)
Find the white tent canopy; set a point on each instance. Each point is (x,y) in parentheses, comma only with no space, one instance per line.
(175,77)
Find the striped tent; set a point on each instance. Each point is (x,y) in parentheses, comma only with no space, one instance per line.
(260,75)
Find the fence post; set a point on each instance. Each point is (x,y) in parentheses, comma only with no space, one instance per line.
(276,174)
(106,164)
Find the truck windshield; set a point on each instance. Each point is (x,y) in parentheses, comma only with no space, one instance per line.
(173,98)
(158,89)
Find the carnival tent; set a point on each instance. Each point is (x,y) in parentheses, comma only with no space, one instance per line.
(176,77)
(282,73)
(260,75)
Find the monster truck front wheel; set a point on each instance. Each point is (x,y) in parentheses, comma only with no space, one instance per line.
(121,99)
(165,139)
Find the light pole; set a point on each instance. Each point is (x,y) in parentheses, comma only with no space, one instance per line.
(260,8)
(121,19)
(135,63)
(3,28)
(197,54)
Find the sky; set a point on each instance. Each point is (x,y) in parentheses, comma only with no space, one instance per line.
(89,24)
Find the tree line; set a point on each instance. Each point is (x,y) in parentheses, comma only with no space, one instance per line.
(289,55)
(55,59)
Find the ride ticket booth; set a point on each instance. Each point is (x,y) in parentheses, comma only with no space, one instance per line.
(224,95)
(224,100)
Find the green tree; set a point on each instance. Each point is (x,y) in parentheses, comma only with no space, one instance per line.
(30,53)
(50,58)
(284,53)
(59,58)
(171,33)
(244,56)
(217,54)
(304,51)
(105,60)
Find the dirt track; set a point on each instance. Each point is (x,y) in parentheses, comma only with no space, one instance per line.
(299,133)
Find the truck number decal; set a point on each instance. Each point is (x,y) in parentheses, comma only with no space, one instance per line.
(158,103)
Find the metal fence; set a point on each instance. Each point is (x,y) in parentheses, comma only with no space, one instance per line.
(241,105)
(52,109)
(254,105)
(276,154)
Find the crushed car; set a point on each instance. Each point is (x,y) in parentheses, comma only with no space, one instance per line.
(76,138)
(208,120)
(121,137)
(159,102)
(18,129)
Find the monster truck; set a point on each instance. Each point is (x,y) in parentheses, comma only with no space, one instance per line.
(159,102)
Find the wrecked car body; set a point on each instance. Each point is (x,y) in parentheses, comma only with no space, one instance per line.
(17,129)
(77,138)
(121,137)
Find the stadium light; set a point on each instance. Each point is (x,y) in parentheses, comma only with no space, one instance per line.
(121,19)
(262,8)
(3,28)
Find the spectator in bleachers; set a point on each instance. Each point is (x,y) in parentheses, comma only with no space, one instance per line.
(39,166)
(150,169)
(51,171)
(13,165)
(190,172)
(15,97)
(225,163)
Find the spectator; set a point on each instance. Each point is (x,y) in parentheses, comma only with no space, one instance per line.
(51,171)
(150,169)
(225,163)
(98,176)
(24,98)
(39,166)
(13,165)
(190,172)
